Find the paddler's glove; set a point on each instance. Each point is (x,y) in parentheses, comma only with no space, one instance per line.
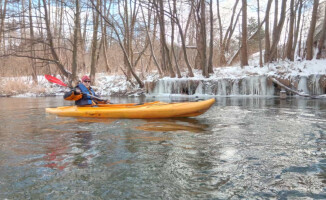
(76,91)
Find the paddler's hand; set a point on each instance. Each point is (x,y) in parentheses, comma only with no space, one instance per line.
(76,91)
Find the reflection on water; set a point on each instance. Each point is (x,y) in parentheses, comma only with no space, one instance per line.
(242,148)
(182,124)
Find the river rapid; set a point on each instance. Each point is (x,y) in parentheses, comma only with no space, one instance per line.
(242,148)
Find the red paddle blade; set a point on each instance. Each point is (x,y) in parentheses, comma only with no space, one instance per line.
(55,80)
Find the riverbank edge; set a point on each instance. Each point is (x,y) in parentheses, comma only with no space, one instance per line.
(291,82)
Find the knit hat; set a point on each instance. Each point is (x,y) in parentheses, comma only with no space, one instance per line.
(85,78)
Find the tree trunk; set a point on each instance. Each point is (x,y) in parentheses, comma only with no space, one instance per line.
(201,46)
(75,42)
(297,28)
(117,35)
(322,38)
(174,12)
(310,37)
(259,37)
(3,16)
(222,59)
(275,19)
(60,25)
(267,37)
(290,35)
(23,23)
(244,50)
(224,44)
(104,35)
(211,20)
(51,44)
(277,33)
(201,59)
(236,54)
(127,36)
(183,43)
(94,42)
(229,36)
(165,56)
(150,41)
(32,53)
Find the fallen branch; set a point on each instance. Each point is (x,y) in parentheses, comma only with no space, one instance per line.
(294,91)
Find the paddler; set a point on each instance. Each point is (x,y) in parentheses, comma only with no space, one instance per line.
(81,94)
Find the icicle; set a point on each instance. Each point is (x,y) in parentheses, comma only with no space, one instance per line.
(199,89)
(254,85)
(316,89)
(302,86)
(235,87)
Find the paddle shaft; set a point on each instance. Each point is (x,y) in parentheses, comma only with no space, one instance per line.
(95,97)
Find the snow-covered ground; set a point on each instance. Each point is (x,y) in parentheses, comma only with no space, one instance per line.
(117,85)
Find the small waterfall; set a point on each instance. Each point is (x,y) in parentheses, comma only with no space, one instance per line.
(315,84)
(253,85)
(222,87)
(256,85)
(302,85)
(159,88)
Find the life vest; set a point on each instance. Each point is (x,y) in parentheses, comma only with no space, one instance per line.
(86,99)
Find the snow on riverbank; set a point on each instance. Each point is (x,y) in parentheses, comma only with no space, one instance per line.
(107,85)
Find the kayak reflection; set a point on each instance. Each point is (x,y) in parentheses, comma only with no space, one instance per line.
(85,120)
(182,124)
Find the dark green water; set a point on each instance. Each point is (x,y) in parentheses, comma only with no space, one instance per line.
(242,148)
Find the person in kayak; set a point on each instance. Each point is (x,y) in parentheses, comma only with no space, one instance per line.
(79,94)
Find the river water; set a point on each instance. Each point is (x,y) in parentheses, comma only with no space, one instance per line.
(251,148)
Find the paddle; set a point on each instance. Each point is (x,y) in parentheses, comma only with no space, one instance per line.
(59,82)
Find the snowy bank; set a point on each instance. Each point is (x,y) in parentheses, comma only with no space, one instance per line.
(110,85)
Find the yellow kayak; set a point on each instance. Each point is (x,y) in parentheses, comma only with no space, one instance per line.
(132,111)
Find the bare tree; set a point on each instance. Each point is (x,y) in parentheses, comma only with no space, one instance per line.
(277,33)
(321,41)
(299,6)
(32,52)
(183,41)
(259,38)
(50,42)
(267,37)
(128,18)
(112,24)
(75,41)
(310,37)
(211,40)
(201,59)
(300,43)
(165,55)
(3,16)
(104,34)
(94,41)
(244,50)
(174,12)
(226,40)
(221,53)
(150,41)
(289,45)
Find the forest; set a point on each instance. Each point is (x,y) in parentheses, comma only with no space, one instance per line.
(169,37)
